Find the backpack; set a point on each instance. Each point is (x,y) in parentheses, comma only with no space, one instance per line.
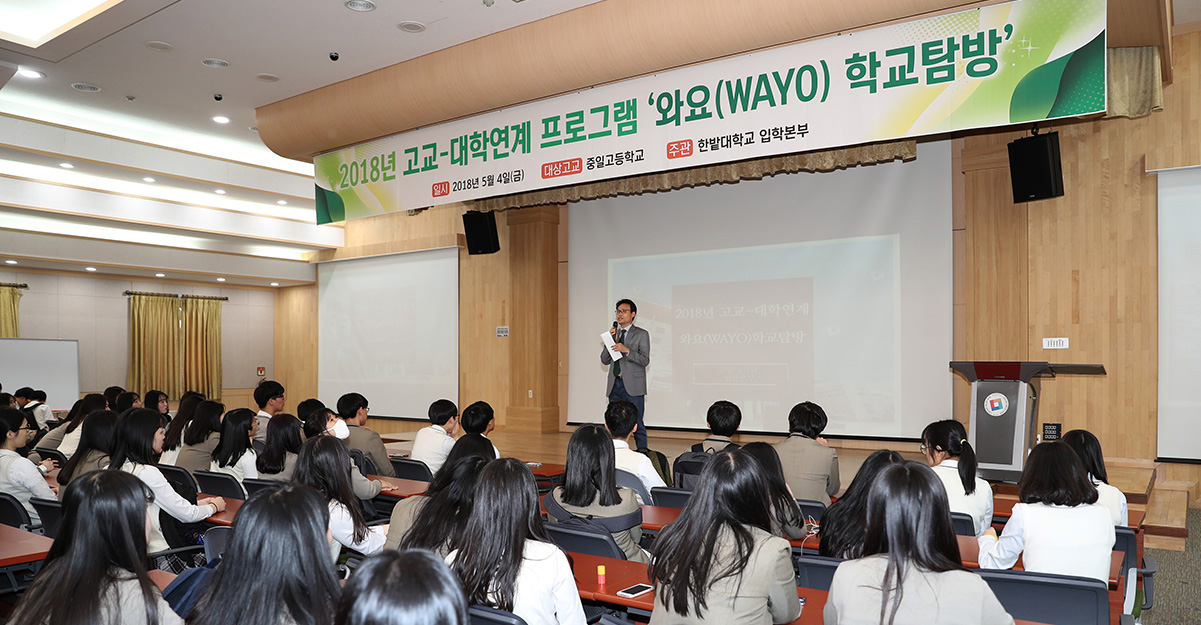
(591,524)
(659,462)
(688,467)
(183,591)
(175,532)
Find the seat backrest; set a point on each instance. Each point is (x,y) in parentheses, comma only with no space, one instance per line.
(178,474)
(51,511)
(963,524)
(1126,542)
(258,445)
(812,509)
(409,469)
(365,465)
(483,615)
(1051,599)
(52,454)
(215,540)
(254,485)
(631,481)
(219,484)
(671,497)
(12,513)
(582,541)
(814,571)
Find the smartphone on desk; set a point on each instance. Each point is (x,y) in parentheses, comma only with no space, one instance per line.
(634,591)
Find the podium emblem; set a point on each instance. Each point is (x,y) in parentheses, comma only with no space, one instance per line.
(996,404)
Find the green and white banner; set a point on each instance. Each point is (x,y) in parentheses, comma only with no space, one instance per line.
(1020,61)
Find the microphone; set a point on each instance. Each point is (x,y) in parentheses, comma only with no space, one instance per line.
(614,325)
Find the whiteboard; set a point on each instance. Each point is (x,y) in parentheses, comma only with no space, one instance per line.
(50,365)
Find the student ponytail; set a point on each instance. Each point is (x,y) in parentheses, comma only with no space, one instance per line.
(949,436)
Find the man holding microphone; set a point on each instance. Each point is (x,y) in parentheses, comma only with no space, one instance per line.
(627,375)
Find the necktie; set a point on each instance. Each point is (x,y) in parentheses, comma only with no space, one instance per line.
(621,338)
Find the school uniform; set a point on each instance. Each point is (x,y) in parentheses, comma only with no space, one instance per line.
(545,592)
(285,475)
(93,460)
(242,468)
(627,540)
(404,515)
(341,526)
(372,446)
(20,478)
(431,446)
(198,457)
(978,505)
(927,598)
(1064,540)
(166,499)
(127,606)
(810,468)
(1114,500)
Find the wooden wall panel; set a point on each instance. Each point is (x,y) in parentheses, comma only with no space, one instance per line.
(534,347)
(296,343)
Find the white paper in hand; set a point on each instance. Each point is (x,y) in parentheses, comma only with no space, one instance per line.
(608,339)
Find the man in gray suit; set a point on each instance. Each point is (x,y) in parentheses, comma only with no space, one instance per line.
(627,375)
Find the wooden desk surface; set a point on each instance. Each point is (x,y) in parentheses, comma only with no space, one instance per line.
(404,488)
(20,547)
(547,470)
(226,516)
(1003,508)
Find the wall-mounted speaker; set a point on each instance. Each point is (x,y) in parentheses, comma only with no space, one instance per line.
(480,228)
(1035,169)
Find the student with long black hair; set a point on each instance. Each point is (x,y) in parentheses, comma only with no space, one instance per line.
(65,437)
(719,561)
(234,454)
(1058,526)
(505,559)
(276,567)
(845,521)
(19,476)
(590,490)
(324,464)
(127,400)
(158,402)
(173,440)
(201,436)
(411,587)
(435,520)
(136,440)
(95,446)
(278,460)
(911,572)
(954,461)
(1086,445)
(95,573)
(786,514)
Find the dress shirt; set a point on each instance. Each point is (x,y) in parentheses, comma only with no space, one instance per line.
(629,460)
(241,469)
(71,442)
(1064,540)
(342,528)
(166,499)
(20,478)
(431,446)
(545,592)
(1114,500)
(41,413)
(978,505)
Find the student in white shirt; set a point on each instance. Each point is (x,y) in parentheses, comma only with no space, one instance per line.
(276,569)
(324,464)
(505,559)
(137,439)
(18,476)
(433,442)
(234,454)
(954,461)
(621,418)
(1089,449)
(1058,527)
(411,586)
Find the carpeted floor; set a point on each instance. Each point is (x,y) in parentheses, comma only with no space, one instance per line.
(1178,581)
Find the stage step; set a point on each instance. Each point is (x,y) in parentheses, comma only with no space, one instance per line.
(1166,524)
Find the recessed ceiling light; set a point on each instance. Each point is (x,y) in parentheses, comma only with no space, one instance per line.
(160,46)
(85,87)
(411,27)
(221,119)
(89,269)
(215,63)
(160,275)
(147,179)
(362,6)
(220,279)
(274,284)
(66,166)
(266,78)
(282,202)
(30,73)
(10,262)
(220,191)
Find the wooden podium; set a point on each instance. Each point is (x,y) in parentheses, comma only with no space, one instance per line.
(1004,416)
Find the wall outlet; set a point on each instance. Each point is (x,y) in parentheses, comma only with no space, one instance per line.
(1057,343)
(531,393)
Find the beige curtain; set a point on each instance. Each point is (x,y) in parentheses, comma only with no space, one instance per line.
(155,344)
(754,169)
(1135,82)
(202,346)
(10,298)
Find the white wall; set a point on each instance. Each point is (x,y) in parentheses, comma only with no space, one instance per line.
(96,313)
